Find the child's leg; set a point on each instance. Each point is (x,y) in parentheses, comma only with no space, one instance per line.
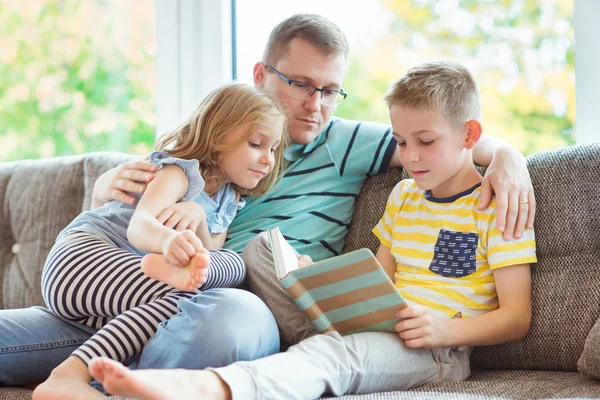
(332,364)
(292,322)
(91,280)
(189,278)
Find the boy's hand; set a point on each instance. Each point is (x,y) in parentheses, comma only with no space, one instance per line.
(304,260)
(507,178)
(420,328)
(117,183)
(182,216)
(180,247)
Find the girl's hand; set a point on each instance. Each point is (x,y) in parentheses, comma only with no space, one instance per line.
(182,216)
(304,260)
(420,328)
(180,247)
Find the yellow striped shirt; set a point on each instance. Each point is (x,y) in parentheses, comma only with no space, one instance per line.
(446,249)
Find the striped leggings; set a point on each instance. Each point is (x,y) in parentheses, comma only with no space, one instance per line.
(87,280)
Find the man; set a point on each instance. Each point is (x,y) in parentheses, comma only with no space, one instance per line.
(304,65)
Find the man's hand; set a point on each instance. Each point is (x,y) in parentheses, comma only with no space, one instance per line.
(420,328)
(508,180)
(119,182)
(182,216)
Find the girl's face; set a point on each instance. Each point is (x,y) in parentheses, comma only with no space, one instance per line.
(251,160)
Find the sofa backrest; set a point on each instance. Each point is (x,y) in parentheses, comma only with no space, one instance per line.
(566,279)
(39,198)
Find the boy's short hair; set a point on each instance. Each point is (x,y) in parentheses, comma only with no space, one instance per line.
(316,29)
(445,86)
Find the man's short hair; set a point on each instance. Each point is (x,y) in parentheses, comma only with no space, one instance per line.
(316,29)
(447,87)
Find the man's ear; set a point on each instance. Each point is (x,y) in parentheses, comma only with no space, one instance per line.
(259,74)
(473,133)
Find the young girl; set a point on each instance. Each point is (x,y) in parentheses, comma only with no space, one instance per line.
(229,148)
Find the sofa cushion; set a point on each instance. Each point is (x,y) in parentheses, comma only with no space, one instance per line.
(565,281)
(39,198)
(589,362)
(566,183)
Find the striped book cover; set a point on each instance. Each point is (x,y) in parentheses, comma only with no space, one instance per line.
(350,293)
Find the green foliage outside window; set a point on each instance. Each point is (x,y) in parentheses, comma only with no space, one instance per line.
(76,76)
(521,53)
(80,76)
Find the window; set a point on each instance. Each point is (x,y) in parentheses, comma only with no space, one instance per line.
(77,76)
(521,53)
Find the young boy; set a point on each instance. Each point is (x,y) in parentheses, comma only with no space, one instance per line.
(466,286)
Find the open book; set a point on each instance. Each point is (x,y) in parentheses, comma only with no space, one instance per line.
(349,293)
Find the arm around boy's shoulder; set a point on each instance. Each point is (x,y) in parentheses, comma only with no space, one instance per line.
(349,293)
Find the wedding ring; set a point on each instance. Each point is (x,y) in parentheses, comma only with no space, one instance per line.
(523,202)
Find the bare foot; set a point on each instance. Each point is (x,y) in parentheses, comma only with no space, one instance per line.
(188,278)
(158,384)
(68,381)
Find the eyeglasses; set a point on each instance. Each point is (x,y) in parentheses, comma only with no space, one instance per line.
(303,91)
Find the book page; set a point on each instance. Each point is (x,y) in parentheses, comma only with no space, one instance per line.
(284,254)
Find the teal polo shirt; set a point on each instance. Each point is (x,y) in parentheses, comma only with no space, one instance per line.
(314,202)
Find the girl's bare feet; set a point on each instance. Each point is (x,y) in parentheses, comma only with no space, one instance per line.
(69,381)
(188,278)
(158,384)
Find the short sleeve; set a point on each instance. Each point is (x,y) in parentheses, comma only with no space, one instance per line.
(360,148)
(385,227)
(502,253)
(190,167)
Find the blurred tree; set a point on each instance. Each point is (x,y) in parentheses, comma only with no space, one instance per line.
(76,76)
(520,51)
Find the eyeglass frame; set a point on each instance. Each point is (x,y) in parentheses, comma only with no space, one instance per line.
(316,89)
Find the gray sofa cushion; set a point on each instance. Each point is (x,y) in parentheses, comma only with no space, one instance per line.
(589,362)
(39,198)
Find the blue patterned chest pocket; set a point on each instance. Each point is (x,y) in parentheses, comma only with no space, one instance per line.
(455,254)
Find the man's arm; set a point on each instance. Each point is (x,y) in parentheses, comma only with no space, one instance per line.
(119,182)
(506,178)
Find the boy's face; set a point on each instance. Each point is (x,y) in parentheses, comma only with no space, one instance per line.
(432,151)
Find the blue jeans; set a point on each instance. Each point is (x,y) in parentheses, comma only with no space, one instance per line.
(213,329)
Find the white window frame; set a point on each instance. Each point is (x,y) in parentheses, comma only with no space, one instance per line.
(194,56)
(587,65)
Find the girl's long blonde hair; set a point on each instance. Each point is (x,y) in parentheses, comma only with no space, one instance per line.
(224,109)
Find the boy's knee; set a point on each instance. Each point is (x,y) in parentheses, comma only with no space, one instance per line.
(257,245)
(214,328)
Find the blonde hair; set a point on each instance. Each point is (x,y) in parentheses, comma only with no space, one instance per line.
(316,29)
(447,87)
(224,109)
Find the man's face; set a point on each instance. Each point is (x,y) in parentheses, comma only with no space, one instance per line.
(431,150)
(305,63)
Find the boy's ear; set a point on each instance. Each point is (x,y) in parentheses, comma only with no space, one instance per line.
(473,133)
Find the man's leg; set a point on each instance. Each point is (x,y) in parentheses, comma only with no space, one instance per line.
(332,364)
(214,328)
(33,342)
(260,270)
